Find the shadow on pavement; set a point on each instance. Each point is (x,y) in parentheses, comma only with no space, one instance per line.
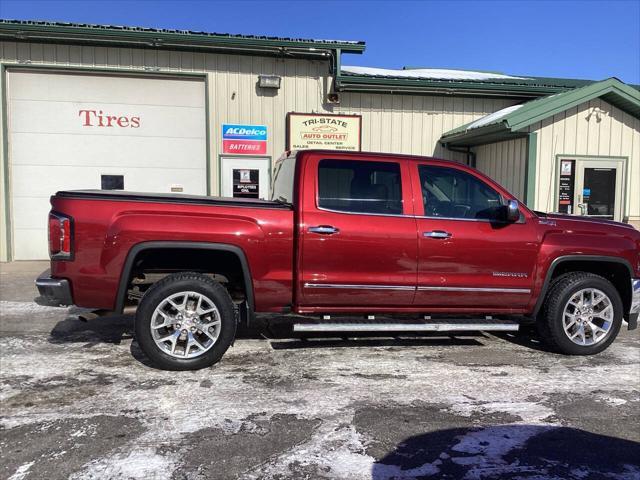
(112,329)
(511,451)
(527,337)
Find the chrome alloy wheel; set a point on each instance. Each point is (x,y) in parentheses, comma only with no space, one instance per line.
(587,316)
(185,325)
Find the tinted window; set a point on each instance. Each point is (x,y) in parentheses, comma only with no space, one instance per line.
(452,193)
(282,188)
(362,187)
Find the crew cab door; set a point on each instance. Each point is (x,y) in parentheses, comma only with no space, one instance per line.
(357,234)
(469,257)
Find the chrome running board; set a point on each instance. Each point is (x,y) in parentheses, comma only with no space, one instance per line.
(448,325)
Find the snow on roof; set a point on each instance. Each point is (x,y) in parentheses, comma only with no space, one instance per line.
(429,73)
(493,117)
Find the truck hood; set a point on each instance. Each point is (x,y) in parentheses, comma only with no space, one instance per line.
(588,224)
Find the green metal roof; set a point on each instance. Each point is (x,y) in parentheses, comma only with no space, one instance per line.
(502,86)
(510,122)
(153,37)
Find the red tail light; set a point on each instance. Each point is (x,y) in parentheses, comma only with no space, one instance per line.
(60,236)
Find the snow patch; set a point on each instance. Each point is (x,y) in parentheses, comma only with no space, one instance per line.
(493,117)
(20,308)
(140,463)
(529,412)
(22,471)
(428,73)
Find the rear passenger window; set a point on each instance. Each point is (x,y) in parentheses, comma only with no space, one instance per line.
(360,187)
(452,193)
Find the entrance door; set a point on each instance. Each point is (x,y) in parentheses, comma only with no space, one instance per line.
(245,177)
(598,190)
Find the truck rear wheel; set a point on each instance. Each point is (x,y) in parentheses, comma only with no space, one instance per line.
(582,314)
(186,321)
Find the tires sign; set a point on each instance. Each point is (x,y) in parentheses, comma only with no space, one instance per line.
(244,139)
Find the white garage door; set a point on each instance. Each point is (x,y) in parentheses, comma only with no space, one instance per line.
(87,131)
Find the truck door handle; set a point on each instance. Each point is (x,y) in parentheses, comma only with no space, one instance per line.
(437,234)
(323,230)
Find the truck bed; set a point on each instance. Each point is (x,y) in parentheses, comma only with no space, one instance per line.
(121,195)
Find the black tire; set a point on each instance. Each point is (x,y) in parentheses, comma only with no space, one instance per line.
(550,322)
(183,282)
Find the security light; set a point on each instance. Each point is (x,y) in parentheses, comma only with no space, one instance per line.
(269,81)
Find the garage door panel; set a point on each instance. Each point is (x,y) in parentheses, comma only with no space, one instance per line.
(33,213)
(29,243)
(98,151)
(33,181)
(126,120)
(54,146)
(107,89)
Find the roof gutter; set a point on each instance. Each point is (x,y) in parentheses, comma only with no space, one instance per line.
(168,40)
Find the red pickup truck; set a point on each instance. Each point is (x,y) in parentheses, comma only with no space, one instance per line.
(356,234)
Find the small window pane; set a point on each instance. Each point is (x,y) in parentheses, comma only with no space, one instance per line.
(452,193)
(360,187)
(112,182)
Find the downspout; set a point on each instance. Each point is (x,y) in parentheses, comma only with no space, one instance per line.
(335,66)
(471,155)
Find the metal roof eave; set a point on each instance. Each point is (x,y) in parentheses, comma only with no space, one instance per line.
(612,90)
(442,87)
(154,38)
(511,125)
(481,136)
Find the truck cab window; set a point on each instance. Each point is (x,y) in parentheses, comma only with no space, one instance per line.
(452,193)
(282,187)
(360,187)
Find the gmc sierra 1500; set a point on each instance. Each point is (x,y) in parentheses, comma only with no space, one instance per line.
(349,234)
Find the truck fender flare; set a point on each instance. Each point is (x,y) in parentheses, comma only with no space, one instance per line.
(223,247)
(568,258)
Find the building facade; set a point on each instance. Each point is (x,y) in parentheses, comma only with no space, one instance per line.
(171,111)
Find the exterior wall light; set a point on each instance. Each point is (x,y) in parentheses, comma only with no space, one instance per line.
(269,81)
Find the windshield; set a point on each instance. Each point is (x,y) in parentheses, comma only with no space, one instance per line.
(282,189)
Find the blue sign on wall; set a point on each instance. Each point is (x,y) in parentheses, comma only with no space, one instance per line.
(244,132)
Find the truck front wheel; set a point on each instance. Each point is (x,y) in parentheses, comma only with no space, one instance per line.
(186,321)
(582,314)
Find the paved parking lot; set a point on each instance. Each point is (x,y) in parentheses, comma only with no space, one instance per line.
(79,400)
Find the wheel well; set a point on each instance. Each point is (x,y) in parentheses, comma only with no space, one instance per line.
(617,273)
(152,264)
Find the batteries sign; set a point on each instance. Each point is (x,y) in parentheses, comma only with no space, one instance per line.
(244,139)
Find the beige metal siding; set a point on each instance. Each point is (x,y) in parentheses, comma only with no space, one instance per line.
(413,124)
(505,162)
(4,254)
(231,88)
(578,131)
(233,96)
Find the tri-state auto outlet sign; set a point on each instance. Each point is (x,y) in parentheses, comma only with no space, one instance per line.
(325,131)
(244,139)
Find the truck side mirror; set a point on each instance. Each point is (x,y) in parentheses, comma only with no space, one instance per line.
(513,211)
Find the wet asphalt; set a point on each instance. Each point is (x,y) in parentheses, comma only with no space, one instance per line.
(80,400)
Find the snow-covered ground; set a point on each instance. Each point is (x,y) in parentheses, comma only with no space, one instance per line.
(78,400)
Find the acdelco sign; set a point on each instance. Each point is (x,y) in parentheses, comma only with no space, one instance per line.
(244,132)
(244,139)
